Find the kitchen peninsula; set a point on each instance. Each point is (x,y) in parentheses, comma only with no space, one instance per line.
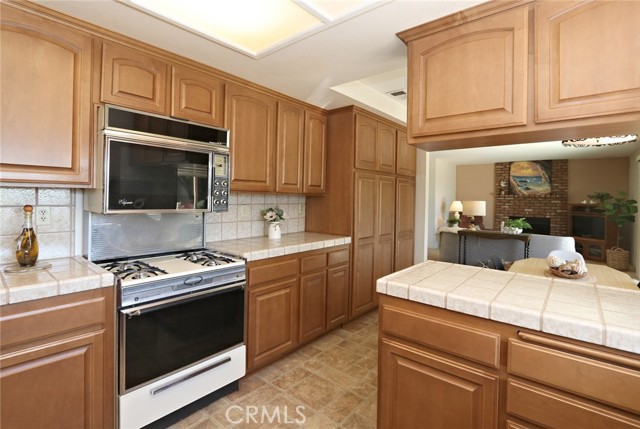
(463,346)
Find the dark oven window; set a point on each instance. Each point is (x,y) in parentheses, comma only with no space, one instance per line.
(159,342)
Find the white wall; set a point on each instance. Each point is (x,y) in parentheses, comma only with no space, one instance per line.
(441,193)
(420,249)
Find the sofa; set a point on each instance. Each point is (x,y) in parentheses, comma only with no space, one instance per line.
(481,250)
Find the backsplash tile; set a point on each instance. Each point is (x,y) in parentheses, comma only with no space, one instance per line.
(243,220)
(57,240)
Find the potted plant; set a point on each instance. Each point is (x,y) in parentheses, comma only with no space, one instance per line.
(621,210)
(516,226)
(600,197)
(273,216)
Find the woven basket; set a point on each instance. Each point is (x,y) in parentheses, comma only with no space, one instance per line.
(618,258)
(565,275)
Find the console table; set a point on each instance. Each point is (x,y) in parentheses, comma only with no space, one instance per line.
(488,235)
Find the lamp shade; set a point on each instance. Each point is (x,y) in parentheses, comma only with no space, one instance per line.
(456,206)
(475,208)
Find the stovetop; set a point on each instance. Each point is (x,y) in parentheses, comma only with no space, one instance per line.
(154,277)
(139,270)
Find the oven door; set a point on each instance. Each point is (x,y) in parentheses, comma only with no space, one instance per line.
(160,338)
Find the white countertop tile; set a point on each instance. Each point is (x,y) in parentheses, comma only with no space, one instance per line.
(597,314)
(66,275)
(256,248)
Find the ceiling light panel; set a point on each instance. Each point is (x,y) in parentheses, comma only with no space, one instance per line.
(251,26)
(254,27)
(332,10)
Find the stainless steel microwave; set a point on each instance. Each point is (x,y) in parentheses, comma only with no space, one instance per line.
(153,164)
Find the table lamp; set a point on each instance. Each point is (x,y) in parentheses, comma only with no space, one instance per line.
(474,208)
(456,207)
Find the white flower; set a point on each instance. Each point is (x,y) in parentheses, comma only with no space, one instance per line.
(273,214)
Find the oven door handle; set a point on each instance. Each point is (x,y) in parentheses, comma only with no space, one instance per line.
(154,306)
(159,389)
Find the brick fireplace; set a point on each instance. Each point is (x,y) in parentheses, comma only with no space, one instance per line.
(553,206)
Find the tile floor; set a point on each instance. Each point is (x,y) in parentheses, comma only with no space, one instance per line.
(334,378)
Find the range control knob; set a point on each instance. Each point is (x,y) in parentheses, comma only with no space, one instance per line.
(224,183)
(216,202)
(223,202)
(225,193)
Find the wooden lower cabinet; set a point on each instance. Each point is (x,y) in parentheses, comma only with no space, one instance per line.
(313,304)
(272,322)
(293,300)
(57,362)
(443,369)
(421,389)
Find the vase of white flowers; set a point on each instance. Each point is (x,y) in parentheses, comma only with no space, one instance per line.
(273,216)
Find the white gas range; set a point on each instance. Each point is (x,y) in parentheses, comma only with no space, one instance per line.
(181,312)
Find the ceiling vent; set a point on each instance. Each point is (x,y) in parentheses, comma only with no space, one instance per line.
(398,94)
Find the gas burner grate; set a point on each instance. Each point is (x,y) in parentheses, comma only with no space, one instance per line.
(133,270)
(205,258)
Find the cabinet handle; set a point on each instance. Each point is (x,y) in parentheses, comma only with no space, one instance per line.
(579,349)
(189,376)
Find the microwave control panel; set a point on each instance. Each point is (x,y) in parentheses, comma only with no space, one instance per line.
(220,188)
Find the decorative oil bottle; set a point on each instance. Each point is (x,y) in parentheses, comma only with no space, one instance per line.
(27,243)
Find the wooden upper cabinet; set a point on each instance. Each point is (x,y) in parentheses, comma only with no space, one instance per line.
(315,153)
(366,134)
(375,145)
(251,118)
(386,148)
(290,147)
(197,96)
(132,78)
(470,77)
(45,81)
(405,156)
(587,59)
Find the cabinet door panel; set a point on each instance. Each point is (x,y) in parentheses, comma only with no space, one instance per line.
(290,141)
(313,299)
(251,119)
(315,153)
(385,229)
(445,394)
(366,147)
(362,292)
(581,72)
(405,220)
(134,79)
(337,295)
(470,77)
(366,206)
(272,322)
(406,156)
(386,148)
(54,385)
(196,96)
(45,81)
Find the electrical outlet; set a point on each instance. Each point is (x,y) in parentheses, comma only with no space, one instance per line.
(43,215)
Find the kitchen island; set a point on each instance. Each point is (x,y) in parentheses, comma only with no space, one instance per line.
(468,347)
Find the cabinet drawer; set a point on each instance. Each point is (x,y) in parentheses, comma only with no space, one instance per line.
(479,346)
(597,380)
(273,271)
(339,257)
(51,317)
(555,411)
(313,263)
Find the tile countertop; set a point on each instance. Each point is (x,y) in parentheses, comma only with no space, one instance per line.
(66,275)
(602,315)
(255,248)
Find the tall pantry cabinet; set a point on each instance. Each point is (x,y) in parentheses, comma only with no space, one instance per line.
(370,186)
